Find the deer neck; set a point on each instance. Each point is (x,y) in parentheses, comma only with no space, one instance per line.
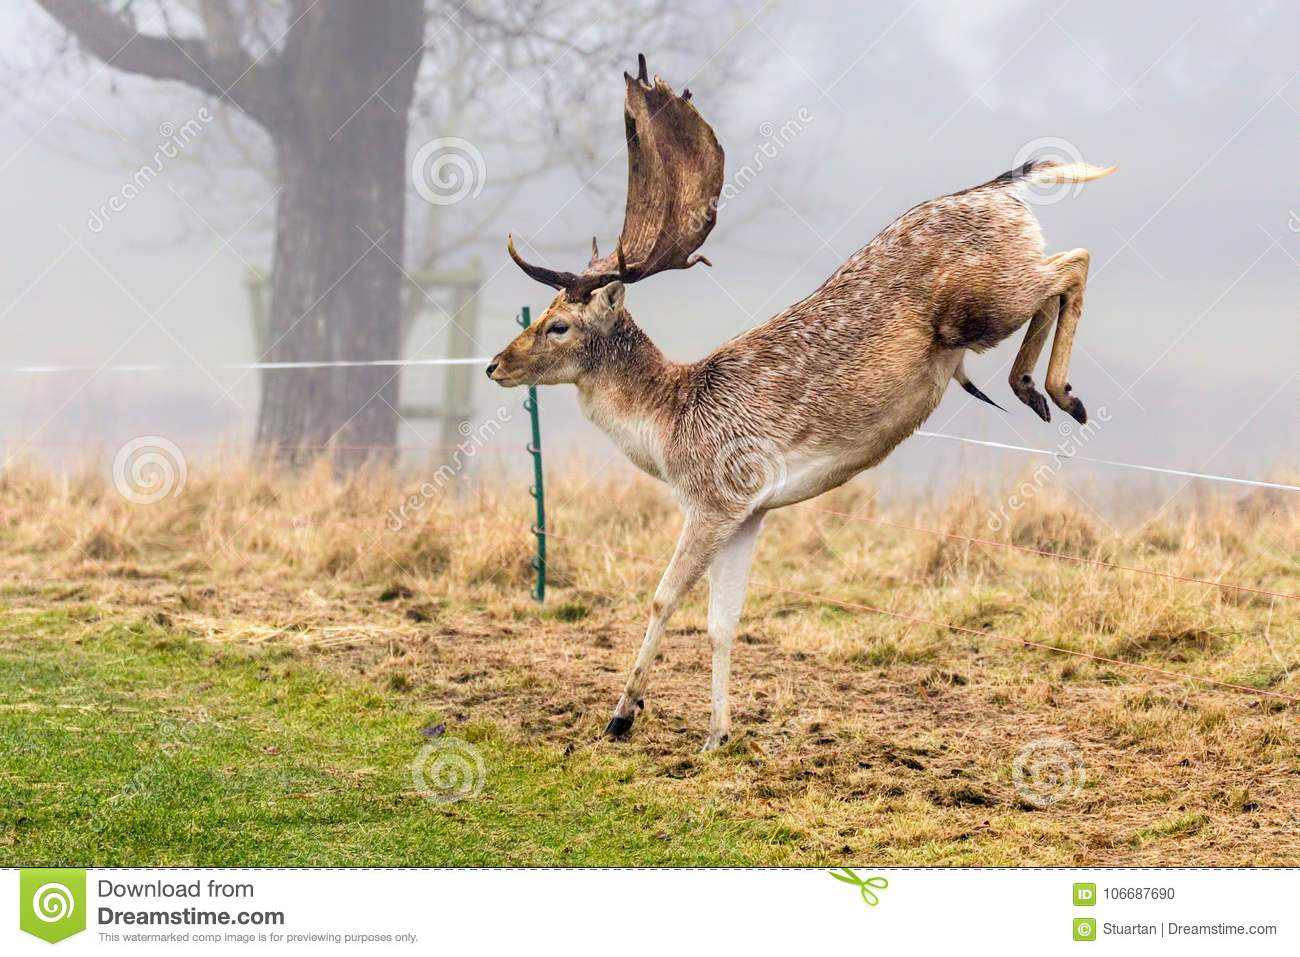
(627,392)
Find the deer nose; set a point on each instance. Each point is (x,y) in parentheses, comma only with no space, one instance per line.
(492,367)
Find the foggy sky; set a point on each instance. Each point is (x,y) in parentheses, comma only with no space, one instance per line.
(1189,337)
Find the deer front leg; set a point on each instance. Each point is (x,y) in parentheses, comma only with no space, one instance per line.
(728,582)
(1073,276)
(1022,370)
(701,537)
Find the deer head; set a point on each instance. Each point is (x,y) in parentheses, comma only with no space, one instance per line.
(674,178)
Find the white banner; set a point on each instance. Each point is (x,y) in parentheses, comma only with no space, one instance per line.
(712,911)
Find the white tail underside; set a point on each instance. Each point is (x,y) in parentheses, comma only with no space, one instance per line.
(1067,173)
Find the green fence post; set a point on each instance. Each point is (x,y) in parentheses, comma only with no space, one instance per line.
(537,491)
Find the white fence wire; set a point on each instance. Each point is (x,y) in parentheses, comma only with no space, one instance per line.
(479,360)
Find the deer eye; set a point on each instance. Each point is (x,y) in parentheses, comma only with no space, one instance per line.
(557,328)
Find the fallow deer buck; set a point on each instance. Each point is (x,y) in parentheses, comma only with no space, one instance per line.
(800,404)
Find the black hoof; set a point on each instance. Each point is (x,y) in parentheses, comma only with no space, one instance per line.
(618,728)
(1031,397)
(1071,405)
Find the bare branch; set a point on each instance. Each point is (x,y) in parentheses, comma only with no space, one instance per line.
(226,73)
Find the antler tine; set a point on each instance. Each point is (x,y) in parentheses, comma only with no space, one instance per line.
(552,277)
(642,72)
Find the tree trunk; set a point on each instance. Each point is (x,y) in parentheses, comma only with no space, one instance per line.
(337,283)
(334,297)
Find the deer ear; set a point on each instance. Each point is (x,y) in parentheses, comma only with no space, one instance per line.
(609,298)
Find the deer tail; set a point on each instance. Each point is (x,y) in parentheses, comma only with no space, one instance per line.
(1052,172)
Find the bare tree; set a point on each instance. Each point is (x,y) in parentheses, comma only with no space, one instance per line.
(336,86)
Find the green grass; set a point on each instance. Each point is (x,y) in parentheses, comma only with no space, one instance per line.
(137,745)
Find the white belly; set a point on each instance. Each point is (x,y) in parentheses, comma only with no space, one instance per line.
(802,477)
(803,474)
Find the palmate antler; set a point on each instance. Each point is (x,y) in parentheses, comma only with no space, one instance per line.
(674,179)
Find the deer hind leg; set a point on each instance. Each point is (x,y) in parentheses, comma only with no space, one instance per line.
(1072,276)
(728,582)
(701,537)
(1022,370)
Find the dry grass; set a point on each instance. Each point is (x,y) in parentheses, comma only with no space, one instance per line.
(863,734)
